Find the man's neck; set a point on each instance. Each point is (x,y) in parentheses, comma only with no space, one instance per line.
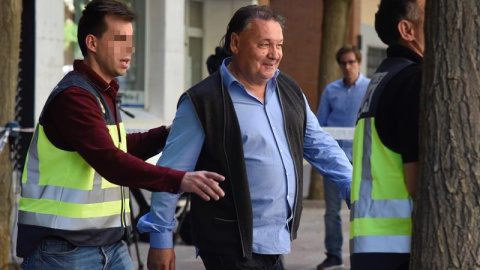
(351,82)
(95,67)
(255,88)
(413,46)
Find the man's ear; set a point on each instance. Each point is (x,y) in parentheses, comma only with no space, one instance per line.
(234,40)
(406,30)
(91,42)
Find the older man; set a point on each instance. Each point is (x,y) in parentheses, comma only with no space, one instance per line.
(251,123)
(385,155)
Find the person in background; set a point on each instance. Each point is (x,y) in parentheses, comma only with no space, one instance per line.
(251,123)
(74,204)
(385,147)
(338,108)
(214,61)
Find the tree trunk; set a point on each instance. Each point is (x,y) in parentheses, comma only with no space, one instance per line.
(10,20)
(334,35)
(446,218)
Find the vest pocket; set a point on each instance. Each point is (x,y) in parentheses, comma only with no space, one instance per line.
(220,220)
(225,231)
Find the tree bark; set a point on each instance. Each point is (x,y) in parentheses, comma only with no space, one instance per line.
(10,22)
(334,35)
(446,217)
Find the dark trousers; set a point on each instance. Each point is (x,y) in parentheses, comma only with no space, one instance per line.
(380,261)
(214,261)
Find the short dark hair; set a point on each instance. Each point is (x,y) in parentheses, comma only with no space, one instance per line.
(390,13)
(242,18)
(348,49)
(93,19)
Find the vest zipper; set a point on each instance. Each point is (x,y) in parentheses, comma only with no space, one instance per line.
(234,201)
(229,173)
(294,213)
(124,223)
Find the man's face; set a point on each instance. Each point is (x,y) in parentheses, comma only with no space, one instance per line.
(350,67)
(115,48)
(258,51)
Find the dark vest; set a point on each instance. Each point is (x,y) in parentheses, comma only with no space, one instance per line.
(225,226)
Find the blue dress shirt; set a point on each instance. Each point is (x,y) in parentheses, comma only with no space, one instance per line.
(269,165)
(339,107)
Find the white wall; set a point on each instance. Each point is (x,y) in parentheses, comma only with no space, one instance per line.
(48,49)
(165,55)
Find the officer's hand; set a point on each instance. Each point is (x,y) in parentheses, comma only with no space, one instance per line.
(204,184)
(161,259)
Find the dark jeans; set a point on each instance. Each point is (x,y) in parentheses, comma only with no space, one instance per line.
(380,261)
(333,221)
(57,254)
(213,261)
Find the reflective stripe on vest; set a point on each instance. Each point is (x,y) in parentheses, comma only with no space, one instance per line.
(60,190)
(381,206)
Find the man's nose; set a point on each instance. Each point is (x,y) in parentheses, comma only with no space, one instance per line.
(274,52)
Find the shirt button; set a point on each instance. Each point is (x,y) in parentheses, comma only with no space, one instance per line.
(287,173)
(288,196)
(273,127)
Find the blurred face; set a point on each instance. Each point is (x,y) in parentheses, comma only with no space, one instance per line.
(350,67)
(257,51)
(113,51)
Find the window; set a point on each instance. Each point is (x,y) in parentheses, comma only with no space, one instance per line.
(375,57)
(132,85)
(195,61)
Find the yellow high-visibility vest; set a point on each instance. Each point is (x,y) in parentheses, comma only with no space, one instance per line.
(380,217)
(62,194)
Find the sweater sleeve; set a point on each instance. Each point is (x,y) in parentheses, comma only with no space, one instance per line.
(74,122)
(147,144)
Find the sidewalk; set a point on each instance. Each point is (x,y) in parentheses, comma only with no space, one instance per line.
(307,250)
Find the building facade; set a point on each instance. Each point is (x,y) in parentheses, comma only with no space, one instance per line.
(173,39)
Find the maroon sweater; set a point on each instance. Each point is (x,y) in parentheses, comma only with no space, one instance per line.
(73,121)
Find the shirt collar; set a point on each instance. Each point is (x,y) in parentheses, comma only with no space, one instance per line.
(87,71)
(402,51)
(228,78)
(359,78)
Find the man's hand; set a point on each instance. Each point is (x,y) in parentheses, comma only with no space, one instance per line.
(204,184)
(161,259)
